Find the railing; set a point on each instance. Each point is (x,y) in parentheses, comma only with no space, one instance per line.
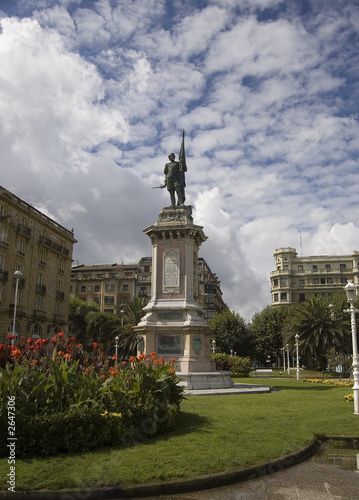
(39,314)
(40,288)
(20,310)
(4,275)
(54,246)
(60,295)
(21,228)
(58,318)
(4,244)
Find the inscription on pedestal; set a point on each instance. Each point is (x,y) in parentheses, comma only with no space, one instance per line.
(169,344)
(171,271)
(170,316)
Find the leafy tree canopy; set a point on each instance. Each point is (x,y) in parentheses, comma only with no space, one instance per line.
(230,333)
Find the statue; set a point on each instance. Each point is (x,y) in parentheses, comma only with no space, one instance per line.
(175,176)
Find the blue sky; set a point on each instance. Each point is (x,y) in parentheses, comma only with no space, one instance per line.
(94,96)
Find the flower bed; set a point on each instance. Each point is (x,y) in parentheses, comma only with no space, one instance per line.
(67,400)
(348,398)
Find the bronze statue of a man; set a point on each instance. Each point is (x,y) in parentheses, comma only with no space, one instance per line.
(175,180)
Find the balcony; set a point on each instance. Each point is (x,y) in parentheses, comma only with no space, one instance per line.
(60,295)
(40,288)
(54,246)
(20,310)
(39,314)
(26,231)
(58,318)
(4,275)
(4,244)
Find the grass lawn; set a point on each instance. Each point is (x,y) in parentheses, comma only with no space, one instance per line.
(214,434)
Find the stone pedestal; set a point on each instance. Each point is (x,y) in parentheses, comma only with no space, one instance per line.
(174,324)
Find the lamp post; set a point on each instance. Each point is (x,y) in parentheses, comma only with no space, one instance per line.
(283,351)
(350,289)
(122,312)
(18,276)
(288,362)
(214,346)
(297,346)
(117,338)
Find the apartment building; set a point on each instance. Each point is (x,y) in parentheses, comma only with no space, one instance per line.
(110,285)
(41,249)
(209,290)
(297,279)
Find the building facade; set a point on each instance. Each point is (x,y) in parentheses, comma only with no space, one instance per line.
(41,249)
(110,285)
(297,279)
(209,291)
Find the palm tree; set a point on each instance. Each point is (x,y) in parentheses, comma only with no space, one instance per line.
(132,314)
(318,329)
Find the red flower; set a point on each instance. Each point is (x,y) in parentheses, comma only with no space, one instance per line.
(96,346)
(172,360)
(10,337)
(60,335)
(115,356)
(16,353)
(30,340)
(72,339)
(123,363)
(53,340)
(67,356)
(132,359)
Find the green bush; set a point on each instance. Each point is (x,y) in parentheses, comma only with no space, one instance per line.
(239,367)
(66,408)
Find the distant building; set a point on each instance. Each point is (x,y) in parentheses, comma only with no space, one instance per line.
(297,279)
(110,285)
(41,249)
(209,290)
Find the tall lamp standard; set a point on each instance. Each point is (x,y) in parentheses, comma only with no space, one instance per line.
(117,338)
(350,289)
(287,346)
(283,351)
(214,346)
(18,276)
(297,346)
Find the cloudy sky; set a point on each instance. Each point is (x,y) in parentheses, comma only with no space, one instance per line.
(94,96)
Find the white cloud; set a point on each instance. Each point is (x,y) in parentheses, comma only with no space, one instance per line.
(94,96)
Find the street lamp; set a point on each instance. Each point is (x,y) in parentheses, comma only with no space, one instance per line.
(122,312)
(18,276)
(350,289)
(214,346)
(283,351)
(297,346)
(117,338)
(288,362)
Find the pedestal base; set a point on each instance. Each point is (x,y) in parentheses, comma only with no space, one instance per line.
(205,380)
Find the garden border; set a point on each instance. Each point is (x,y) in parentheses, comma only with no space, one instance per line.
(208,481)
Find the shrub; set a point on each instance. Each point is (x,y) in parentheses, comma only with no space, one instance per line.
(239,367)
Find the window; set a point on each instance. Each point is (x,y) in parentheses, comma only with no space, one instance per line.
(21,248)
(2,210)
(327,267)
(342,266)
(147,269)
(275,282)
(3,237)
(109,299)
(83,288)
(2,263)
(144,278)
(329,281)
(322,281)
(42,258)
(316,281)
(283,296)
(96,300)
(110,311)
(301,297)
(301,282)
(275,297)
(0,293)
(343,280)
(71,288)
(109,287)
(97,288)
(125,288)
(315,267)
(300,269)
(283,281)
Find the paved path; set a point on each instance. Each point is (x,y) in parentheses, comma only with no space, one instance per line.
(310,480)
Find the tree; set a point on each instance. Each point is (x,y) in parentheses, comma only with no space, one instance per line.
(133,311)
(78,310)
(319,329)
(230,333)
(101,327)
(266,332)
